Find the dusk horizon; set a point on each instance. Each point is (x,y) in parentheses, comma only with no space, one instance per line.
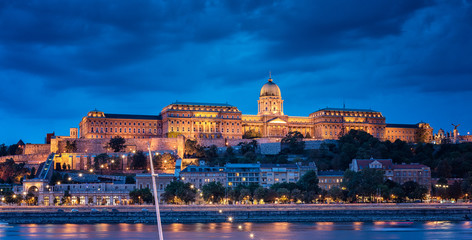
(409,60)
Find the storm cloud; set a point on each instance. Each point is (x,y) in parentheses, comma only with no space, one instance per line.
(410,60)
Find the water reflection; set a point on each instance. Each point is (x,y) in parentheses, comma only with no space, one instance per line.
(243,231)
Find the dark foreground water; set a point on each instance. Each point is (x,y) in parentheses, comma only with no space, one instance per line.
(272,231)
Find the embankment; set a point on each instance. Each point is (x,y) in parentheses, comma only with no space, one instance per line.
(195,214)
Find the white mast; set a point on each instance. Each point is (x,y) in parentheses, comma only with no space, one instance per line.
(156,200)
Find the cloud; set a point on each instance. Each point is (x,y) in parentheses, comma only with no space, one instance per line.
(137,56)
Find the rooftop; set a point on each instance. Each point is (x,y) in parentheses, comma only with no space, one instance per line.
(364,163)
(203,104)
(331,173)
(133,116)
(347,110)
(275,165)
(409,166)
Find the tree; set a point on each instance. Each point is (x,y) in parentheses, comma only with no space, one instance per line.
(250,134)
(296,195)
(3,150)
(260,194)
(309,182)
(366,183)
(139,161)
(192,149)
(413,190)
(211,153)
(213,192)
(283,194)
(163,161)
(71,146)
(117,143)
(455,190)
(336,193)
(141,196)
(245,194)
(130,180)
(179,192)
(293,143)
(248,147)
(100,160)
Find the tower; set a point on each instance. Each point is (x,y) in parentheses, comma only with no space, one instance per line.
(270,100)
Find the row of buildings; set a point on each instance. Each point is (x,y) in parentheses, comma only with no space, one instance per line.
(91,189)
(235,174)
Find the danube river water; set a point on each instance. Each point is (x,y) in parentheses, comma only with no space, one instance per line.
(242,231)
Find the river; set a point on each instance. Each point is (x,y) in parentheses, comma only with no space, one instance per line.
(242,231)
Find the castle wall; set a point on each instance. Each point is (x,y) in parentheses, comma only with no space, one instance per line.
(31,159)
(99,145)
(37,149)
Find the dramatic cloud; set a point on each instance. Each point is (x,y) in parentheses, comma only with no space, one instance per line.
(60,59)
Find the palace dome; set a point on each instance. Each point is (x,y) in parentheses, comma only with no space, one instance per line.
(270,89)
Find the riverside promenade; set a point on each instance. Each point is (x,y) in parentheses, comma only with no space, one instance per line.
(238,213)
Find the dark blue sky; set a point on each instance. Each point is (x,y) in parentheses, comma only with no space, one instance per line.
(409,59)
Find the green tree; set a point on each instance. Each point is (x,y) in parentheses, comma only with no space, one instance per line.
(413,190)
(283,194)
(139,161)
(455,191)
(245,194)
(130,180)
(309,182)
(141,196)
(71,146)
(336,193)
(179,192)
(213,192)
(248,147)
(260,194)
(293,143)
(250,134)
(192,149)
(117,143)
(99,160)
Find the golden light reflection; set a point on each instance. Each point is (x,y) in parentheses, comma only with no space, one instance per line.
(357,226)
(281,226)
(212,226)
(325,226)
(176,227)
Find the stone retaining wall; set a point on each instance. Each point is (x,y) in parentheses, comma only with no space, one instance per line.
(237,216)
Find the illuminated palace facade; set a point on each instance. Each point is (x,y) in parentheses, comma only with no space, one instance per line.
(224,121)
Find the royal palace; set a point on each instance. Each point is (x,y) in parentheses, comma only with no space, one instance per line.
(223,121)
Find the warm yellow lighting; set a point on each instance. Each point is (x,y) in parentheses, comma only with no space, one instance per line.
(230,219)
(80,174)
(91,170)
(58,183)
